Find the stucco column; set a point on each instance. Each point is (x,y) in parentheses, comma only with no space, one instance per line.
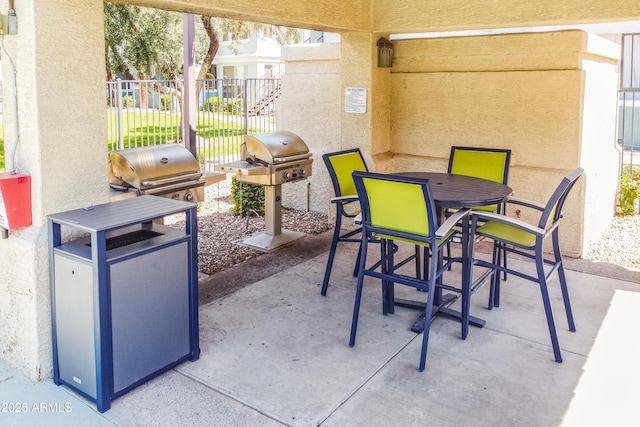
(61,136)
(355,71)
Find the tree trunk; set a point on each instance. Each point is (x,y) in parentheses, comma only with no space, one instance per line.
(106,62)
(214,44)
(143,91)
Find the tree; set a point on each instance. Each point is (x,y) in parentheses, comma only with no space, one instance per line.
(214,44)
(142,40)
(119,23)
(149,41)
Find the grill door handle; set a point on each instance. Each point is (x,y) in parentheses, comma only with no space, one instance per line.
(293,158)
(178,178)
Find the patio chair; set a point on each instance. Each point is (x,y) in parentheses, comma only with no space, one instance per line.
(486,163)
(519,237)
(399,208)
(341,165)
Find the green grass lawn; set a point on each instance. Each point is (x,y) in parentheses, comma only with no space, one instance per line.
(157,126)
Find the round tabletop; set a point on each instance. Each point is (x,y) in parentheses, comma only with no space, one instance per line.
(462,191)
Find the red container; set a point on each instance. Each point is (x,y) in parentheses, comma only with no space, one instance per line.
(15,200)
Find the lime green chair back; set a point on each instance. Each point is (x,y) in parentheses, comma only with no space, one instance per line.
(397,207)
(486,163)
(340,166)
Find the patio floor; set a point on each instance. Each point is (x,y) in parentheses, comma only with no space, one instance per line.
(275,353)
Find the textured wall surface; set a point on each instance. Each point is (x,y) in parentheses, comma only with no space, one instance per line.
(313,104)
(328,15)
(407,16)
(310,107)
(62,127)
(526,92)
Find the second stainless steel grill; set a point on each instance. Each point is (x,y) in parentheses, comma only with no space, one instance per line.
(271,159)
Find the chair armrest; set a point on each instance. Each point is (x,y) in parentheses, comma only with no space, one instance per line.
(526,203)
(344,199)
(451,222)
(514,222)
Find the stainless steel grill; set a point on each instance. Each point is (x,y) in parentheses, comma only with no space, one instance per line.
(271,159)
(167,170)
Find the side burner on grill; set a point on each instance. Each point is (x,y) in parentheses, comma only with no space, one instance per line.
(271,159)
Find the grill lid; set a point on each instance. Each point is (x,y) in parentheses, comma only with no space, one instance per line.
(152,166)
(274,148)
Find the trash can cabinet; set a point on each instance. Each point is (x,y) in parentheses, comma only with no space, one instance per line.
(124,300)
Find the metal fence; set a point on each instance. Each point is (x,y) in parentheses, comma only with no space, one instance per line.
(148,112)
(629,100)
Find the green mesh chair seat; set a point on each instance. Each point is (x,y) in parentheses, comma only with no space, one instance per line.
(527,240)
(399,208)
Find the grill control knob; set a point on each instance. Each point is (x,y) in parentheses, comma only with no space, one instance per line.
(303,172)
(188,197)
(286,175)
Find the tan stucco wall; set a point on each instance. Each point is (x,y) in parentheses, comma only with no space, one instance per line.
(550,97)
(327,15)
(62,129)
(310,107)
(526,92)
(409,16)
(313,105)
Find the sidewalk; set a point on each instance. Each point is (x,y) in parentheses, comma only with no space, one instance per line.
(275,353)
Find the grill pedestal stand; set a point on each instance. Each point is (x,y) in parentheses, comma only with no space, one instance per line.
(274,236)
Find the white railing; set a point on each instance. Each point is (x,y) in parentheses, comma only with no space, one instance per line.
(148,112)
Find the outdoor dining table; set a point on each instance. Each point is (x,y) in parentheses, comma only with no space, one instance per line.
(456,191)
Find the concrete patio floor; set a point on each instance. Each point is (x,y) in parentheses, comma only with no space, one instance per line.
(275,353)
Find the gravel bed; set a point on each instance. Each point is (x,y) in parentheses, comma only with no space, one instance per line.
(620,245)
(218,230)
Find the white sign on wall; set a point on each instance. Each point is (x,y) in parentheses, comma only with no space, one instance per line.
(355,100)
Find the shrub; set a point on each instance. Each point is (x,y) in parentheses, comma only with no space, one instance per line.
(127,101)
(234,106)
(246,198)
(629,190)
(213,105)
(165,102)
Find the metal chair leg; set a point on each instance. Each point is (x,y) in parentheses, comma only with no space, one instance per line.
(384,268)
(494,290)
(356,267)
(427,321)
(332,254)
(356,306)
(563,283)
(547,304)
